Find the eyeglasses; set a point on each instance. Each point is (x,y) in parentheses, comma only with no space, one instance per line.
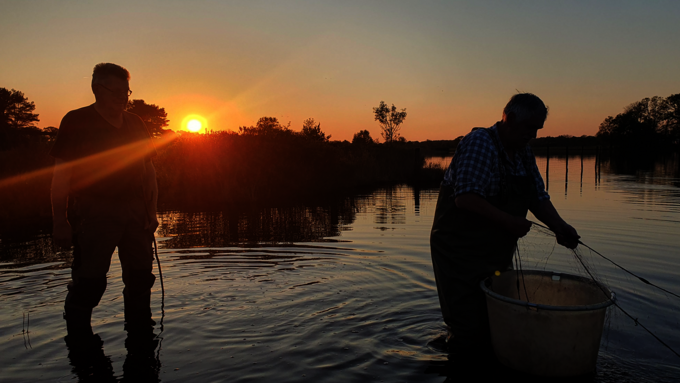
(126,93)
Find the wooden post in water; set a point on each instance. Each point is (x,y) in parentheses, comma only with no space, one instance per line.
(547,167)
(566,169)
(598,161)
(416,199)
(581,169)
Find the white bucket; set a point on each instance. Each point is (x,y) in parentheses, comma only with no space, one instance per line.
(556,331)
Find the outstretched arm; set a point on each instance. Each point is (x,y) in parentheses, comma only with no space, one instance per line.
(517,226)
(546,213)
(61,183)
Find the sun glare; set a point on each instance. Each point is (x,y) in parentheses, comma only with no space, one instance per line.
(195,123)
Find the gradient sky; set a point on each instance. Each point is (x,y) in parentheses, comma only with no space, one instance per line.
(452,64)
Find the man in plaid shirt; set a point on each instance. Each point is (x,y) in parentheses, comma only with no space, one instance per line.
(488,189)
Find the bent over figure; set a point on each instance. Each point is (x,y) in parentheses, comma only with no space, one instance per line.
(104,195)
(488,188)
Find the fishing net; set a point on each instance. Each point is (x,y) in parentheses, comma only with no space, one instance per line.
(539,251)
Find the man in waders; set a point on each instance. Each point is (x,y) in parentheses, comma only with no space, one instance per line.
(104,196)
(481,212)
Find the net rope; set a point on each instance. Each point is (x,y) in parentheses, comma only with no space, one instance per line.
(587,268)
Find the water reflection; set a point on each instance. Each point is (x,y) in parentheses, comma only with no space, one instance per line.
(390,207)
(661,169)
(17,251)
(651,184)
(267,226)
(416,200)
(280,225)
(270,225)
(254,300)
(88,360)
(90,363)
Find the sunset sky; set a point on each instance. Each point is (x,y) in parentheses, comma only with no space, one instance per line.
(451,64)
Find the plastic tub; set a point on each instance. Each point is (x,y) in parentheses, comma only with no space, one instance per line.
(557,331)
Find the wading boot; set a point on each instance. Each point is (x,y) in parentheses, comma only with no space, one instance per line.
(78,324)
(138,312)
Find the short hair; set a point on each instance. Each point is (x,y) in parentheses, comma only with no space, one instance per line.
(102,71)
(526,106)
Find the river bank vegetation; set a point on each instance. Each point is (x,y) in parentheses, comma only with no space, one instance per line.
(651,123)
(265,164)
(270,163)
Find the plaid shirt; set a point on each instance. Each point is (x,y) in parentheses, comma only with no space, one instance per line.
(474,168)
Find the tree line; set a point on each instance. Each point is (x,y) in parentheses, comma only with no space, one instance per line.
(18,120)
(653,122)
(266,163)
(18,123)
(270,161)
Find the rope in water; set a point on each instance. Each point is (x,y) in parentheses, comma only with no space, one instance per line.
(637,322)
(160,273)
(617,265)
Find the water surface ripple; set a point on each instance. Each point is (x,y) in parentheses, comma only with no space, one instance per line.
(344,292)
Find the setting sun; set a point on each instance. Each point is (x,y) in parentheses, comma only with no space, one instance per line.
(195,123)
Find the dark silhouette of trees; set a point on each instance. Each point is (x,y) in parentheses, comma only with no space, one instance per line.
(153,116)
(17,120)
(649,121)
(268,127)
(50,132)
(363,137)
(671,126)
(312,130)
(17,111)
(390,120)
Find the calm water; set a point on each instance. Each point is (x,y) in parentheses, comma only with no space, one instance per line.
(345,291)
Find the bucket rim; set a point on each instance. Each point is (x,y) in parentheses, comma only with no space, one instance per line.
(596,306)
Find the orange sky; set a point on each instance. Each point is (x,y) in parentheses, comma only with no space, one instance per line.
(452,65)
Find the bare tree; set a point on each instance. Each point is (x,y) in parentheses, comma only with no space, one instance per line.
(390,120)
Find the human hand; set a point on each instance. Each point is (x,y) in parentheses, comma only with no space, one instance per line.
(567,236)
(62,235)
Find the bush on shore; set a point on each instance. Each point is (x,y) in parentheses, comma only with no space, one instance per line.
(223,169)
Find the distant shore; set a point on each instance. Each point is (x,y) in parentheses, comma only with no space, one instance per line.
(226,170)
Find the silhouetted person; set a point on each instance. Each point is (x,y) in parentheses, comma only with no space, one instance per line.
(103,173)
(481,212)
